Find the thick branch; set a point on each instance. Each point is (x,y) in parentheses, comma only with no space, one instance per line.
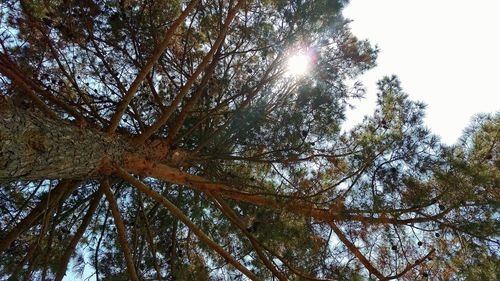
(181,216)
(115,120)
(184,90)
(120,228)
(141,166)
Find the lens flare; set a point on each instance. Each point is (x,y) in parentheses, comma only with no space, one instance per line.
(299,64)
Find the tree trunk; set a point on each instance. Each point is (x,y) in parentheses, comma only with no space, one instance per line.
(35,147)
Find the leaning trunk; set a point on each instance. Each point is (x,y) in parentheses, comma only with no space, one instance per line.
(34,147)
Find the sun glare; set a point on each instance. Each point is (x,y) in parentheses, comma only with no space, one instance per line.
(298,64)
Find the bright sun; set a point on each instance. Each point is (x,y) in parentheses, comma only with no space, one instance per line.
(298,64)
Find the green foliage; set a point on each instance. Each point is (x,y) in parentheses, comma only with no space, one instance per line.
(391,187)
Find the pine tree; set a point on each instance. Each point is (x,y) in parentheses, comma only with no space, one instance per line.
(165,140)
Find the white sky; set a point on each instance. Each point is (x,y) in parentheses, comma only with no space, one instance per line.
(445,52)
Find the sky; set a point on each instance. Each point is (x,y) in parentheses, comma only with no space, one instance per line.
(445,52)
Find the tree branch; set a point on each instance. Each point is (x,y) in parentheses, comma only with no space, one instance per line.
(233,217)
(70,249)
(29,84)
(48,202)
(184,90)
(181,216)
(120,228)
(149,237)
(26,90)
(356,252)
(122,106)
(141,166)
(411,266)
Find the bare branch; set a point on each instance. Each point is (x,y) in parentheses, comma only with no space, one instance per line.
(411,266)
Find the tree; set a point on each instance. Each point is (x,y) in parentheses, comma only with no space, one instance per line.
(165,140)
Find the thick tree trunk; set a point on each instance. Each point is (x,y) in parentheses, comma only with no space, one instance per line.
(34,147)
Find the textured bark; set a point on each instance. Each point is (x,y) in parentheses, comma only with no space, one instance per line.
(34,147)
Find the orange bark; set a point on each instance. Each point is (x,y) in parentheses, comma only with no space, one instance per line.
(140,165)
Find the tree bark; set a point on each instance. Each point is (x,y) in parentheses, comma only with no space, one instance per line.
(35,147)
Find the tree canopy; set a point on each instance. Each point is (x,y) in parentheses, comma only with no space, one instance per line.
(168,140)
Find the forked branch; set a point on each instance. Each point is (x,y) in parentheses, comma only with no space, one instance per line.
(201,67)
(167,39)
